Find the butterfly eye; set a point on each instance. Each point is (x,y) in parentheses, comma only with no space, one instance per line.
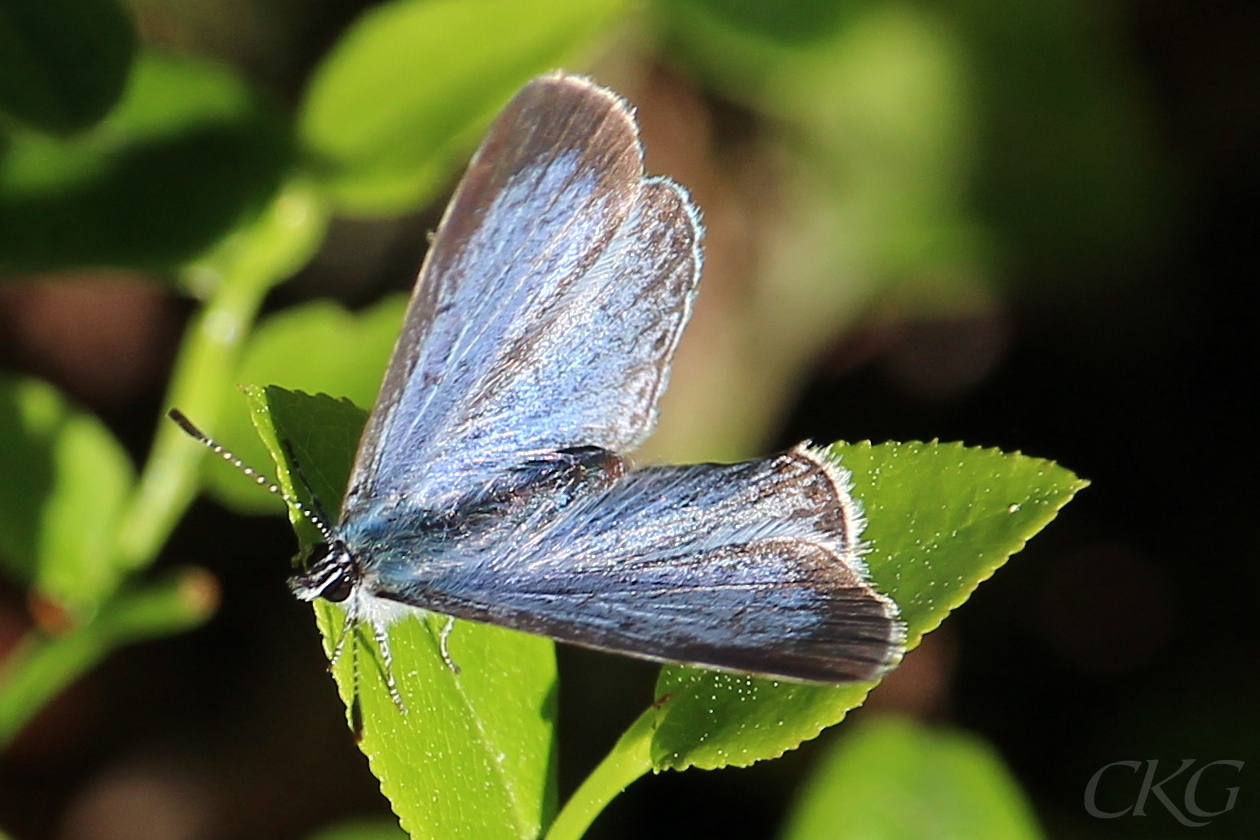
(339,587)
(331,574)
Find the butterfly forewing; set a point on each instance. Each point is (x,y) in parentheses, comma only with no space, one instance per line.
(515,340)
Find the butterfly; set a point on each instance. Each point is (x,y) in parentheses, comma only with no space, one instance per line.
(491,482)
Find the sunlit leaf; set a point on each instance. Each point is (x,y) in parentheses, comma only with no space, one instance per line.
(472,755)
(941,519)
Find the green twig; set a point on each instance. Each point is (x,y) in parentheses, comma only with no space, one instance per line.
(239,273)
(629,759)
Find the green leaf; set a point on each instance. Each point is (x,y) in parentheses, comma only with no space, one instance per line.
(473,754)
(63,63)
(63,479)
(894,779)
(412,86)
(183,158)
(318,347)
(941,519)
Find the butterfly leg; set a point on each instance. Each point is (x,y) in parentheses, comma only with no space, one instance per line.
(382,641)
(356,705)
(356,708)
(443,638)
(347,630)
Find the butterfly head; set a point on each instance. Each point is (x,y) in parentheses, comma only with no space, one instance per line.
(331,572)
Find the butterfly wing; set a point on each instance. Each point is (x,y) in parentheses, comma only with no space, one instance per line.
(548,307)
(749,567)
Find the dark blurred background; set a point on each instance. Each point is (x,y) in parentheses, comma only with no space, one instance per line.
(1100,311)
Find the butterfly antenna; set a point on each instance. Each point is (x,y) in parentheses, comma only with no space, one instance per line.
(314,514)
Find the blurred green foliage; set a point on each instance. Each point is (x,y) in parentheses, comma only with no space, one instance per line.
(66,478)
(892,779)
(409,89)
(319,348)
(899,102)
(187,155)
(362,830)
(63,63)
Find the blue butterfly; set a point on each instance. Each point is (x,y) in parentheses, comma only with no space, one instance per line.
(491,482)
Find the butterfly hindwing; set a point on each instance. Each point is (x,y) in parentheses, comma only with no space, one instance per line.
(751,567)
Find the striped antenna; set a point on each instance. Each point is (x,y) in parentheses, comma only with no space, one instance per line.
(315,516)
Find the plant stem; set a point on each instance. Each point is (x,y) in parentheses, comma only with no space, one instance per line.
(240,272)
(629,759)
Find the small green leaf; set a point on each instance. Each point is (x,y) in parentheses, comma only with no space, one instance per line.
(411,87)
(184,157)
(63,479)
(63,63)
(893,779)
(318,347)
(472,755)
(941,518)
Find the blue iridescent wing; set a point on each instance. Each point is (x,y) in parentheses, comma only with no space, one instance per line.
(750,567)
(547,310)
